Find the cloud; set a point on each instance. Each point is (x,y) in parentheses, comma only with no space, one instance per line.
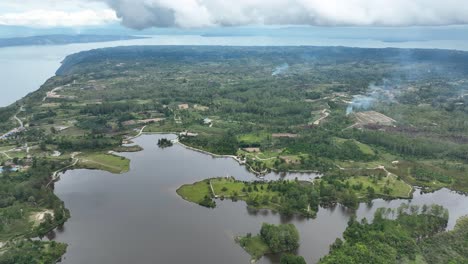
(48,18)
(201,13)
(52,13)
(205,13)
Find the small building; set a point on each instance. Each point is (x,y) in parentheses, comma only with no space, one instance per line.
(188,134)
(207,121)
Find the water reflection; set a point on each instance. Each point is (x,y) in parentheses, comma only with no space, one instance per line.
(137,216)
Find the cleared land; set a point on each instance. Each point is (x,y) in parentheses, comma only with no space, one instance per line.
(373,117)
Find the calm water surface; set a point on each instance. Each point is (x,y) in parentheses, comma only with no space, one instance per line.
(138,217)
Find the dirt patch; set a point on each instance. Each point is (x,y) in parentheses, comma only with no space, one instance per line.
(290,159)
(39,217)
(373,117)
(252,150)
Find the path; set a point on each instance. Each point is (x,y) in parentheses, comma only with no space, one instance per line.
(256,156)
(139,133)
(6,154)
(17,129)
(56,173)
(324,114)
(212,190)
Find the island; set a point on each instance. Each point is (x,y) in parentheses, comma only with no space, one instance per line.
(164,143)
(60,39)
(272,239)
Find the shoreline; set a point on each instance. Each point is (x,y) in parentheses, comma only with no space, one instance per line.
(241,162)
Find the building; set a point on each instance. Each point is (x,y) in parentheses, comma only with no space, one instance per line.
(207,121)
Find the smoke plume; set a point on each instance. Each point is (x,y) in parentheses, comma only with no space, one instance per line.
(375,94)
(280,69)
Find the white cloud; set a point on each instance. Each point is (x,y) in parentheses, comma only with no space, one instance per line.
(199,13)
(53,13)
(47,18)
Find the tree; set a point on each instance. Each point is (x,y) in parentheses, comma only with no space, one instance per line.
(292,259)
(280,238)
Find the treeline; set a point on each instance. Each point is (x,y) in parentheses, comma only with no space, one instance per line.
(225,144)
(89,142)
(386,240)
(107,108)
(412,146)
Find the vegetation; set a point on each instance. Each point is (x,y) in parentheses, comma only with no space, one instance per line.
(22,195)
(33,252)
(134,148)
(254,245)
(300,120)
(291,259)
(447,247)
(287,197)
(392,241)
(272,239)
(164,143)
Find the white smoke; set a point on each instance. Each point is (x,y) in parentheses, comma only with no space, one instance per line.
(375,94)
(201,13)
(280,69)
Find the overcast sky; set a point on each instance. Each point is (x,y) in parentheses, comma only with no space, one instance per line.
(204,13)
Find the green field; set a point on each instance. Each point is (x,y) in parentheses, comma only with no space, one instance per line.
(195,192)
(253,245)
(107,162)
(397,188)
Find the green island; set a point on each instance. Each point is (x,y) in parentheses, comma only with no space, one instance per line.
(289,197)
(373,122)
(272,239)
(164,143)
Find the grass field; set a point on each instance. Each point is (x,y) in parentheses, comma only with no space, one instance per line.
(254,246)
(252,138)
(398,187)
(195,192)
(366,149)
(107,162)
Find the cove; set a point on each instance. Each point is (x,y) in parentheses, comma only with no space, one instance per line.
(138,217)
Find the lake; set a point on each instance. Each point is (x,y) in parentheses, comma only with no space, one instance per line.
(138,217)
(24,69)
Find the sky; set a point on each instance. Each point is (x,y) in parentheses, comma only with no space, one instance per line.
(141,14)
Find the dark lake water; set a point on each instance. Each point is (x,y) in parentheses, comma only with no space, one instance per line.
(138,217)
